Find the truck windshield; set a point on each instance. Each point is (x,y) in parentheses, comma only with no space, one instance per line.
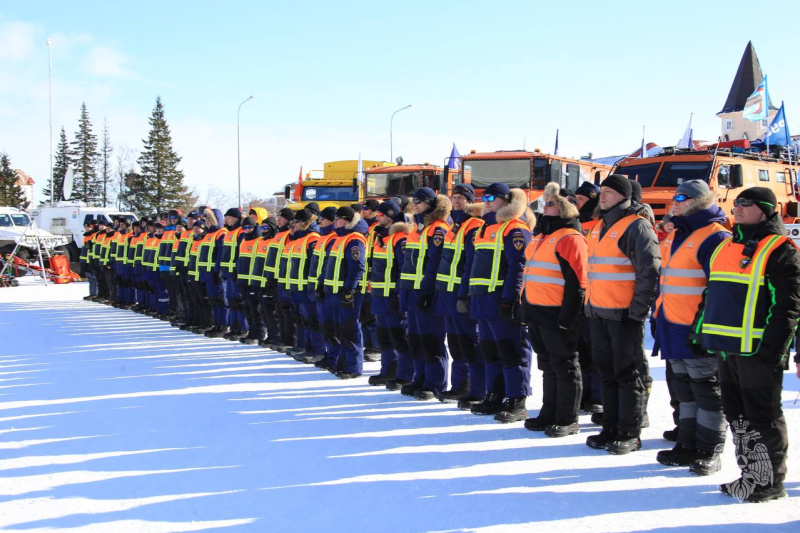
(512,172)
(673,174)
(645,173)
(393,184)
(130,218)
(329,194)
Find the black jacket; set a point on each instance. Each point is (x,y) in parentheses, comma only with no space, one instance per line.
(783,275)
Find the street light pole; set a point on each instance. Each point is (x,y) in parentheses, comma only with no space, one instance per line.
(49,43)
(391,152)
(238,158)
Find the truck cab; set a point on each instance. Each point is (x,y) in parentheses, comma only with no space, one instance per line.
(387,182)
(726,170)
(339,185)
(529,171)
(16,232)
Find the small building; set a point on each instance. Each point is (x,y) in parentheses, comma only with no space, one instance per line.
(748,77)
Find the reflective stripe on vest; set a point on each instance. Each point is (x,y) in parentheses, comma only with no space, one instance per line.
(121,253)
(257,277)
(181,256)
(227,257)
(611,276)
(297,275)
(337,251)
(488,243)
(275,246)
(383,261)
(246,259)
(417,252)
(165,248)
(150,258)
(318,258)
(542,279)
(371,237)
(737,305)
(451,265)
(205,257)
(683,280)
(282,263)
(194,258)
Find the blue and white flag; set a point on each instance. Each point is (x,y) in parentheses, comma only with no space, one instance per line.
(756,107)
(555,152)
(778,131)
(686,140)
(454,161)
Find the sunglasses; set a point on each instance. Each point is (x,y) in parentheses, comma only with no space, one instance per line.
(746,202)
(488,197)
(681,198)
(550,204)
(174,218)
(417,201)
(247,227)
(365,208)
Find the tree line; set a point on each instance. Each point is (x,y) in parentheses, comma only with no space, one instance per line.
(155,183)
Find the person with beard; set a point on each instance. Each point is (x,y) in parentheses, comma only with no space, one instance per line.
(467,370)
(326,220)
(339,286)
(552,298)
(310,341)
(747,317)
(496,262)
(384,270)
(245,264)
(686,256)
(587,196)
(417,285)
(624,260)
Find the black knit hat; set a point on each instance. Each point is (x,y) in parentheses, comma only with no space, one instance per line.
(588,189)
(158,225)
(389,208)
(466,190)
(302,216)
(765,199)
(234,212)
(619,183)
(329,213)
(636,192)
(200,224)
(346,213)
(287,213)
(425,194)
(247,221)
(312,207)
(499,189)
(371,204)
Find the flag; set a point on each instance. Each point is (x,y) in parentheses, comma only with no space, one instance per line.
(644,148)
(686,140)
(300,178)
(757,106)
(555,152)
(360,169)
(778,131)
(454,161)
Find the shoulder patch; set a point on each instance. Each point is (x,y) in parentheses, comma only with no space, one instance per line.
(355,253)
(438,239)
(518,240)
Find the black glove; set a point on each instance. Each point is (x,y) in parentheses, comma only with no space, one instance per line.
(425,302)
(506,309)
(348,299)
(462,306)
(653,328)
(319,291)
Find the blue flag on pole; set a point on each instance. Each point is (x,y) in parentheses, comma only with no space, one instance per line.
(778,131)
(555,152)
(756,107)
(454,161)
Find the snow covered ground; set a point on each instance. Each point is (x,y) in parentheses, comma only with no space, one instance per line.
(113,422)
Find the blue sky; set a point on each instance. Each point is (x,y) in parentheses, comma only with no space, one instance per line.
(327,76)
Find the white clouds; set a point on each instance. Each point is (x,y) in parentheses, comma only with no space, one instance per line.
(107,62)
(16,41)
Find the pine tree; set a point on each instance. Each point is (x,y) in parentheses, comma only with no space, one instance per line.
(10,193)
(60,167)
(161,181)
(84,156)
(105,162)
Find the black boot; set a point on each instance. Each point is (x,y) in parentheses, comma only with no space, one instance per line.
(671,434)
(599,441)
(680,455)
(490,405)
(513,411)
(537,424)
(624,443)
(465,404)
(456,393)
(562,428)
(707,463)
(409,389)
(396,384)
(424,394)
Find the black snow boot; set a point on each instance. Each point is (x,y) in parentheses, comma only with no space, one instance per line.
(456,393)
(599,441)
(562,428)
(491,404)
(680,455)
(624,443)
(513,411)
(707,463)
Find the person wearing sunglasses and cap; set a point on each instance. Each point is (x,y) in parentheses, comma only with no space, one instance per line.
(245,263)
(315,289)
(417,283)
(467,381)
(685,259)
(495,263)
(552,298)
(624,262)
(258,284)
(747,317)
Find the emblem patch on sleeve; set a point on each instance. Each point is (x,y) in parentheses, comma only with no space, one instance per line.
(518,240)
(355,253)
(437,239)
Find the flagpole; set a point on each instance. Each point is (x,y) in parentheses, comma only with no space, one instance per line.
(766,103)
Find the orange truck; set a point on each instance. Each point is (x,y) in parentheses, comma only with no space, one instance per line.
(529,171)
(387,182)
(727,168)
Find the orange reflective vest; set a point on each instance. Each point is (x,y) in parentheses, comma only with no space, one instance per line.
(587,226)
(318,259)
(257,277)
(682,279)
(542,278)
(451,265)
(227,256)
(416,254)
(488,266)
(333,268)
(275,247)
(383,263)
(612,277)
(739,298)
(246,259)
(298,262)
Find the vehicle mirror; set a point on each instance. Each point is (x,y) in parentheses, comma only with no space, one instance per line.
(598,177)
(737,179)
(355,185)
(287,192)
(436,183)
